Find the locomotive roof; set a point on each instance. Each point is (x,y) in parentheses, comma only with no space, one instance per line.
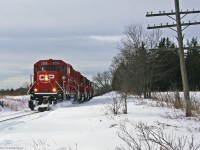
(51,60)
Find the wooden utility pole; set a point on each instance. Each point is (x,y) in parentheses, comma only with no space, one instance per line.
(182,60)
(179,30)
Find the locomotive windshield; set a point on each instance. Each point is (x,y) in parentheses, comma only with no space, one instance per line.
(36,69)
(50,68)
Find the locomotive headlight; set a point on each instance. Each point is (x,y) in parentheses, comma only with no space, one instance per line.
(35,90)
(54,89)
(46,78)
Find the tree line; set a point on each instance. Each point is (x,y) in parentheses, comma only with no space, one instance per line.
(22,90)
(146,62)
(11,91)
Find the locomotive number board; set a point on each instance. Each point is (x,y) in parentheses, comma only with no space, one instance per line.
(53,63)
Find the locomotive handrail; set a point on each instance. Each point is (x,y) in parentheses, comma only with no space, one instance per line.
(77,89)
(30,88)
(64,95)
(59,85)
(74,85)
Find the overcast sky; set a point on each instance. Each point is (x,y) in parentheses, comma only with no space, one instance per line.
(84,33)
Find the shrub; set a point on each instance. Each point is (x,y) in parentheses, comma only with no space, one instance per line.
(153,138)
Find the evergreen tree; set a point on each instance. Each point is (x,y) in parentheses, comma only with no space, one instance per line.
(193,64)
(167,75)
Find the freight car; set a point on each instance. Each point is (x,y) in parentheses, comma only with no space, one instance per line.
(55,80)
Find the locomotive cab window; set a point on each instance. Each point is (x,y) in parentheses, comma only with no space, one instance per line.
(36,69)
(55,68)
(64,69)
(50,68)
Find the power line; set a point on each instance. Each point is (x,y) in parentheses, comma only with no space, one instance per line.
(176,15)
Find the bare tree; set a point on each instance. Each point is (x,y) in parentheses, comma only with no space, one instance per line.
(116,104)
(103,81)
(135,61)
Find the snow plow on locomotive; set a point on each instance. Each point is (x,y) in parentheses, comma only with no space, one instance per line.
(55,80)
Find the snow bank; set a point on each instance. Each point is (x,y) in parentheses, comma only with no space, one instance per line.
(13,104)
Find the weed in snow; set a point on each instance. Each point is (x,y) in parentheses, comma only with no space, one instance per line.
(145,137)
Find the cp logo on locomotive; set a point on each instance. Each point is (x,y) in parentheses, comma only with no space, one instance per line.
(43,77)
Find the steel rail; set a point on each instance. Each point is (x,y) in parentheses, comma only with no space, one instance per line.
(18,116)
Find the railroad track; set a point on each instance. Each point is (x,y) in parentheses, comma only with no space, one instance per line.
(19,116)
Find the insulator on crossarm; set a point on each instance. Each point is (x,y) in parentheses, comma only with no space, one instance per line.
(172,11)
(160,12)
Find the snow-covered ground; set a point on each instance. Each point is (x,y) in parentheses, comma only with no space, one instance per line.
(89,126)
(13,105)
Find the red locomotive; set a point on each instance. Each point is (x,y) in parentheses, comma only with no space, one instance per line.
(56,80)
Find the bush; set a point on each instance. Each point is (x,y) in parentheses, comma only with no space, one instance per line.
(14,104)
(174,100)
(153,138)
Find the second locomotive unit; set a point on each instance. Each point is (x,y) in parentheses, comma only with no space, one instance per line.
(55,80)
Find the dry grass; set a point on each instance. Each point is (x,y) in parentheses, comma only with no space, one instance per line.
(174,100)
(144,137)
(13,104)
(45,144)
